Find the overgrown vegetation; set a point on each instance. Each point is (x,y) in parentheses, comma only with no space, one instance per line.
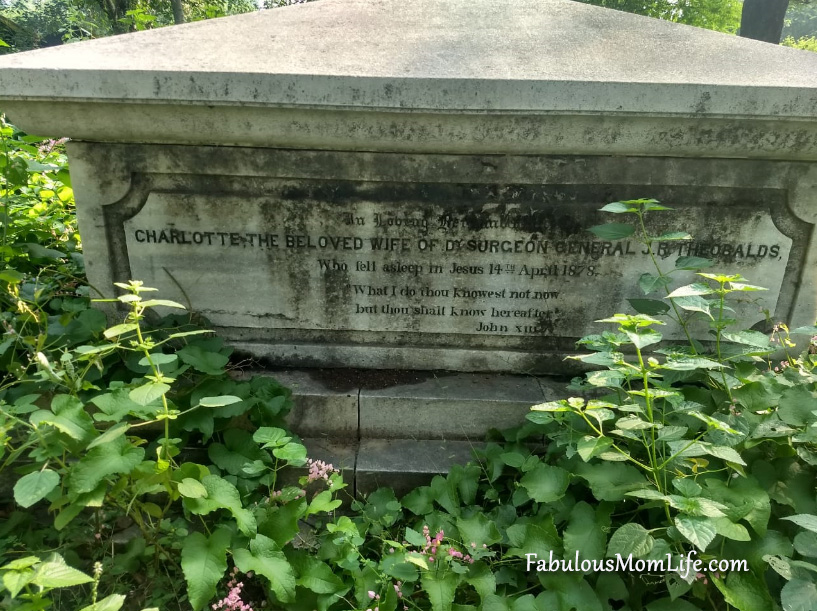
(145,476)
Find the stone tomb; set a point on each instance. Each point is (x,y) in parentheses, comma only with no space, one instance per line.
(408,186)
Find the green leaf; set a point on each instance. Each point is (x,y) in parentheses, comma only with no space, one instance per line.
(271,437)
(611,481)
(113,602)
(632,539)
(618,208)
(323,503)
(294,453)
(158,358)
(117,430)
(219,401)
(419,501)
(35,486)
(545,483)
(318,577)
(747,338)
(585,533)
(692,263)
(16,580)
(727,528)
(651,307)
(697,530)
(206,361)
(612,231)
(148,393)
(670,236)
(799,595)
(55,573)
(588,446)
(804,520)
(221,494)
(118,330)
(478,529)
(482,578)
(265,558)
(696,288)
(796,407)
(806,544)
(440,589)
(192,489)
(204,562)
(117,456)
(745,592)
(165,303)
(693,303)
(649,283)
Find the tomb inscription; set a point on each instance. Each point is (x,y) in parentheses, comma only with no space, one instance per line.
(500,269)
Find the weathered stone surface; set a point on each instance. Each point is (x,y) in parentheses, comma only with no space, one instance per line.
(299,77)
(405,464)
(463,406)
(412,187)
(319,410)
(479,263)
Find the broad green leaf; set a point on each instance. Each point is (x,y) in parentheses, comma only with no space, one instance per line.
(113,602)
(806,544)
(117,430)
(206,361)
(68,415)
(118,330)
(271,437)
(482,578)
(221,494)
(693,303)
(35,486)
(692,263)
(799,595)
(117,456)
(797,406)
(729,529)
(192,489)
(618,208)
(612,231)
(695,288)
(697,530)
(158,358)
(16,580)
(55,573)
(652,307)
(585,533)
(672,236)
(644,337)
(747,338)
(323,503)
(478,529)
(611,481)
(632,539)
(294,453)
(148,393)
(745,592)
(265,558)
(545,483)
(588,446)
(219,401)
(164,303)
(649,283)
(204,563)
(440,589)
(807,521)
(686,486)
(318,576)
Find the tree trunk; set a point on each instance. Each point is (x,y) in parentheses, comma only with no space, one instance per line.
(763,19)
(178,11)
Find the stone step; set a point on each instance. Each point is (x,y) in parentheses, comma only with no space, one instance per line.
(354,404)
(399,429)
